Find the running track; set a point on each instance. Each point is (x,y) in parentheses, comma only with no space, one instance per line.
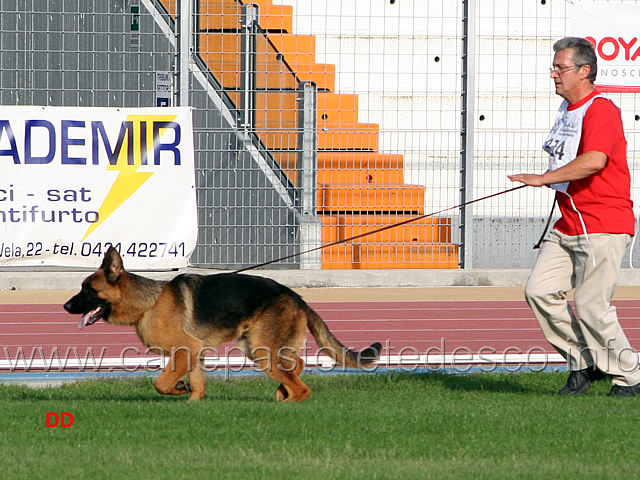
(412,333)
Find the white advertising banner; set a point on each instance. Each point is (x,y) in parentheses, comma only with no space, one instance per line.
(74,181)
(613,29)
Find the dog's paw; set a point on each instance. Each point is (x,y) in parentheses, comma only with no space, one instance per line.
(281,394)
(182,385)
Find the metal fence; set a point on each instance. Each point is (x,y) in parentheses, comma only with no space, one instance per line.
(321,120)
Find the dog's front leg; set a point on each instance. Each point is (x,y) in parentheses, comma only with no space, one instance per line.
(169,382)
(197,383)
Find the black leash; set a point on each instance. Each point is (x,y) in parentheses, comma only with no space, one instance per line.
(380,229)
(546,227)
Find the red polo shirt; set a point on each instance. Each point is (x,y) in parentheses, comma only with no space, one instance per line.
(603,199)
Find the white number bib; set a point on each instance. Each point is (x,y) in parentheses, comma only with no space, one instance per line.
(564,138)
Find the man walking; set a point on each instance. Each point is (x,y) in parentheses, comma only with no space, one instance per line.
(588,169)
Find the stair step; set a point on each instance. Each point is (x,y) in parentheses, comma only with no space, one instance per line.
(359,176)
(371,197)
(271,73)
(389,256)
(279,109)
(424,230)
(268,4)
(222,54)
(345,136)
(295,48)
(358,136)
(359,160)
(274,110)
(226,15)
(347,167)
(337,107)
(323,74)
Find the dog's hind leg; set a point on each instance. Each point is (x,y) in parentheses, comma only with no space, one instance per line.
(292,389)
(284,394)
(274,340)
(197,381)
(284,368)
(180,364)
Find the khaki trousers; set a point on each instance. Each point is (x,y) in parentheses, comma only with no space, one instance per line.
(592,334)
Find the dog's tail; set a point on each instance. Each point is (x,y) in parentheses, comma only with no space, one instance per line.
(332,347)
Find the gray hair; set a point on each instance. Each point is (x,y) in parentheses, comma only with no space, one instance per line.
(584,53)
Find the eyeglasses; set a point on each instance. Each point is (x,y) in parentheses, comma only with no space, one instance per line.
(561,70)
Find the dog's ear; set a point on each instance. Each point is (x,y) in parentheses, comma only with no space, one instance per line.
(112,265)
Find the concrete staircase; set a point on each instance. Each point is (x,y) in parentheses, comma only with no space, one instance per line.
(359,188)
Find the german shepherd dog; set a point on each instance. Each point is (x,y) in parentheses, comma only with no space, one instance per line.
(190,313)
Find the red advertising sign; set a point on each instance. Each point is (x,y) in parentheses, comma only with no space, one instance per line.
(612,28)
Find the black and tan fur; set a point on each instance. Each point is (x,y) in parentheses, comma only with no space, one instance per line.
(191,312)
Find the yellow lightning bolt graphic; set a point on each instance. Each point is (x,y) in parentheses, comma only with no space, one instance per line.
(129,180)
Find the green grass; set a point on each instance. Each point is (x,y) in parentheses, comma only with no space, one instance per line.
(390,426)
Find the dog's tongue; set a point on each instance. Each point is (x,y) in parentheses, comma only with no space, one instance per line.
(86,318)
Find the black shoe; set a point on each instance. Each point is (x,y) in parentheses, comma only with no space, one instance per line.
(621,391)
(580,381)
(596,375)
